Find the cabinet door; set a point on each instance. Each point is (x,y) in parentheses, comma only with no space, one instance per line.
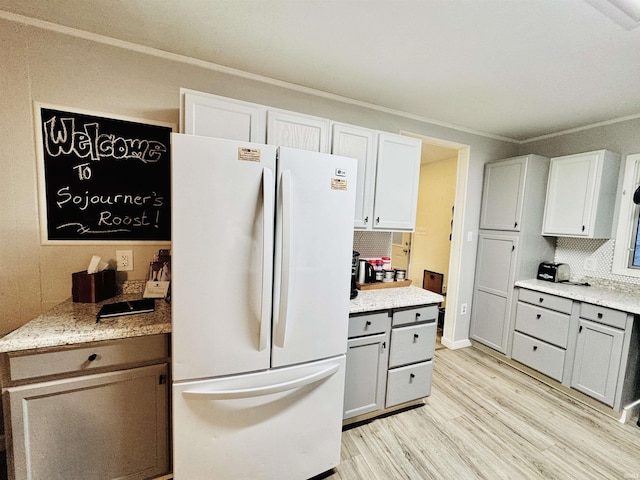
(366,374)
(495,270)
(597,360)
(104,426)
(570,195)
(212,116)
(397,177)
(503,194)
(295,130)
(359,143)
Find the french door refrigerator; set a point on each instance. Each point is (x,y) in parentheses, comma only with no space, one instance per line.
(261,265)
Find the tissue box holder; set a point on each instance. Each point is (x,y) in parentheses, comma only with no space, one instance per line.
(93,287)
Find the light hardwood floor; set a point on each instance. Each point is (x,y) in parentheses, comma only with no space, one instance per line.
(486,420)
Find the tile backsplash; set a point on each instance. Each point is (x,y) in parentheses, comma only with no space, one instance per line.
(372,244)
(580,252)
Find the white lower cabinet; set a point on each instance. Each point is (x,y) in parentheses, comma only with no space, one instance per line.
(590,348)
(597,362)
(541,332)
(389,359)
(89,423)
(366,374)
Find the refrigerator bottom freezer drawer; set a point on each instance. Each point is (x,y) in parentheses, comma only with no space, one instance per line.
(278,424)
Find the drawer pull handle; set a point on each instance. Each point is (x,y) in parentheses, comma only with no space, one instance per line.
(538,315)
(535,347)
(368,323)
(599,315)
(92,357)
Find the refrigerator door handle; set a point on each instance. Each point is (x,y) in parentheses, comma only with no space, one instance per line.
(268,187)
(285,275)
(224,394)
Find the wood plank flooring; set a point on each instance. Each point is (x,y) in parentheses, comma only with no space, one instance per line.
(486,420)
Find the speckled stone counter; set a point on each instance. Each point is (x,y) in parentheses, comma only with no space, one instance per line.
(385,298)
(72,323)
(604,297)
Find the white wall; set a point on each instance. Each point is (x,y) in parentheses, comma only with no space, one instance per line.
(49,67)
(431,245)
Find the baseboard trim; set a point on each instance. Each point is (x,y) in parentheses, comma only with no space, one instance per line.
(455,345)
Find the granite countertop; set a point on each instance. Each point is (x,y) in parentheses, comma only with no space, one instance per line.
(385,298)
(604,297)
(72,323)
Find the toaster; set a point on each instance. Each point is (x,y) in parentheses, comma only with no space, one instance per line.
(553,272)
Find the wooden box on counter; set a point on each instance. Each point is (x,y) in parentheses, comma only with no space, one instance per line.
(93,287)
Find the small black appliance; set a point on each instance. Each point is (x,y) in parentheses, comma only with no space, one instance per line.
(354,272)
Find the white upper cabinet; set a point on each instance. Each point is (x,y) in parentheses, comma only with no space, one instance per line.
(213,116)
(581,195)
(503,194)
(359,143)
(397,178)
(295,130)
(388,164)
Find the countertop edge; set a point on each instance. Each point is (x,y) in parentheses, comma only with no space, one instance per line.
(603,297)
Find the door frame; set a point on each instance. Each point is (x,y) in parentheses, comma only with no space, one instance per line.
(450,329)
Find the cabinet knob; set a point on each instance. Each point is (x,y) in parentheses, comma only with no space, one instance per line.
(583,228)
(377,220)
(541,299)
(366,220)
(92,357)
(535,347)
(418,315)
(368,323)
(599,315)
(515,225)
(412,376)
(538,316)
(416,336)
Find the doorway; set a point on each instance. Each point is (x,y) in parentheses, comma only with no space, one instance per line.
(436,244)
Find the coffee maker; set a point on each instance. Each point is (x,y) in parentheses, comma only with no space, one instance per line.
(354,273)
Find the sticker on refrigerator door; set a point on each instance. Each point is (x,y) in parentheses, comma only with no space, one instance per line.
(338,184)
(248,154)
(341,172)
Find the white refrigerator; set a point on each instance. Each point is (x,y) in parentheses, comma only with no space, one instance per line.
(261,265)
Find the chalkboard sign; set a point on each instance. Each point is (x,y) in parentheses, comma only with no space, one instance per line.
(103,179)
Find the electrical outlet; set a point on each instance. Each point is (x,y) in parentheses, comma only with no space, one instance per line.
(463,309)
(124,260)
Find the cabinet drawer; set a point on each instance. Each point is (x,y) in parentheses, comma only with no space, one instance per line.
(415,315)
(545,300)
(412,344)
(607,316)
(87,358)
(547,325)
(538,355)
(368,324)
(409,383)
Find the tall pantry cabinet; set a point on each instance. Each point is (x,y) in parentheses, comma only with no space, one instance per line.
(510,245)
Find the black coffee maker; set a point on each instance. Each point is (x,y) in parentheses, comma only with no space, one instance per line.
(354,273)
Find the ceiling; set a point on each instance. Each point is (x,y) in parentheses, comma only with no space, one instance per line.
(516,69)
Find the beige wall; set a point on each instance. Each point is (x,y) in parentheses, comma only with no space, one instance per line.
(49,67)
(431,244)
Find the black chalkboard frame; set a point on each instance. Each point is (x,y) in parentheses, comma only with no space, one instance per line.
(149,205)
